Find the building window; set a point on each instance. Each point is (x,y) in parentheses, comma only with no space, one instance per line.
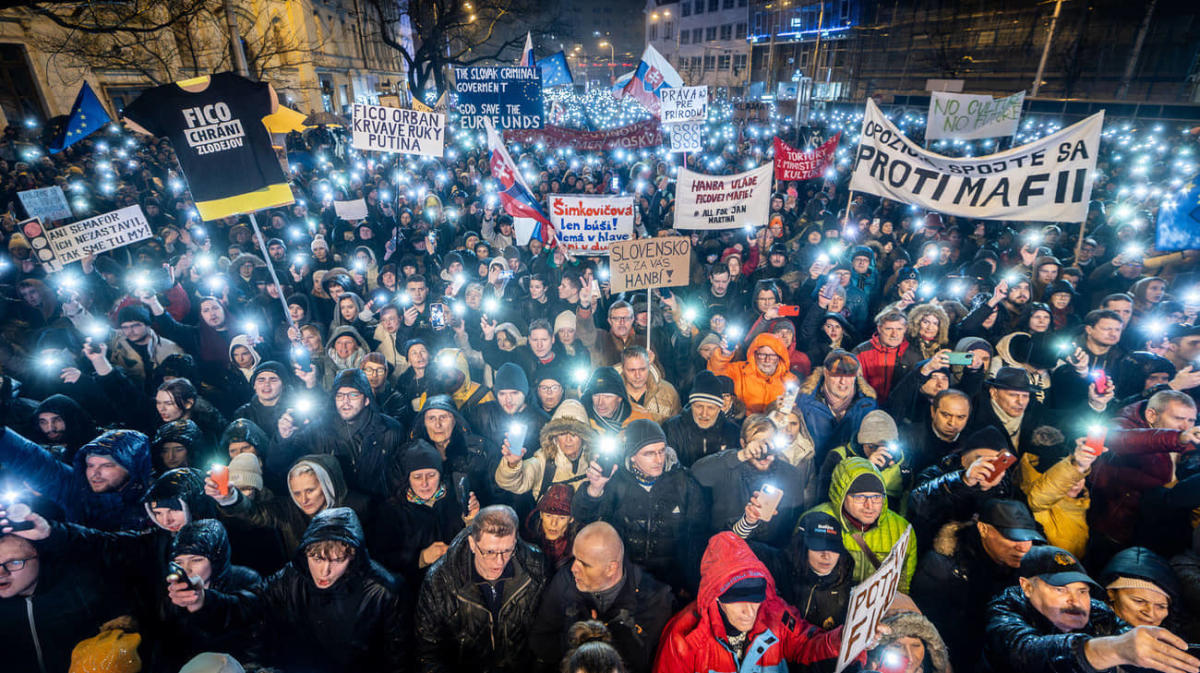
(685,37)
(723,62)
(710,33)
(697,35)
(742,3)
(727,31)
(668,30)
(710,62)
(740,31)
(714,5)
(699,6)
(727,4)
(653,31)
(739,61)
(686,9)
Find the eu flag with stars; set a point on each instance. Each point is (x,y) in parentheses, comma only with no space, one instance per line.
(87,116)
(555,71)
(1178,226)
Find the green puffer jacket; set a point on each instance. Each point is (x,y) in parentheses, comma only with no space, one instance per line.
(880,537)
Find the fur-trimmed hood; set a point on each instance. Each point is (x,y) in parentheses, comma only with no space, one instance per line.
(920,311)
(915,625)
(813,382)
(569,417)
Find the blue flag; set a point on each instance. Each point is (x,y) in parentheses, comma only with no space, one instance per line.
(1178,226)
(555,71)
(87,116)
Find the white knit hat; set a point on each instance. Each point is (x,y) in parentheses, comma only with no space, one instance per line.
(245,470)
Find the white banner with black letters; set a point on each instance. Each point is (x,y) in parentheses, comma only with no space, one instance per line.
(1048,180)
(723,201)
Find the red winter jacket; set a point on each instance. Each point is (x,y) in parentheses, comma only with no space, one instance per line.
(1139,460)
(882,367)
(692,641)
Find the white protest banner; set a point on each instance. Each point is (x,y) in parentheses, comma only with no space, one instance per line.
(1048,180)
(587,224)
(663,261)
(968,116)
(684,104)
(47,204)
(869,600)
(687,136)
(393,129)
(723,201)
(60,246)
(351,210)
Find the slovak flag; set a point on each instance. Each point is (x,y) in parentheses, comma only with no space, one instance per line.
(527,54)
(516,196)
(653,74)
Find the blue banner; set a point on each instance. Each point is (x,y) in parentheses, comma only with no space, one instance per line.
(555,71)
(511,96)
(1179,219)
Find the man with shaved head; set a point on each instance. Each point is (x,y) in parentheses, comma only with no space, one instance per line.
(602,585)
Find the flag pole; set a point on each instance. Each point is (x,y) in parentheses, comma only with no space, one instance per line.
(649,317)
(262,245)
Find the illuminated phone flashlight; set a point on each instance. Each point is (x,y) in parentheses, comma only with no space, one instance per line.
(405,299)
(215,284)
(250,327)
(733,333)
(1034,238)
(608,445)
(459,308)
(1011,278)
(446,360)
(96,330)
(579,375)
(204,262)
(304,404)
(1064,346)
(1192,297)
(927,289)
(359,266)
(1133,252)
(603,273)
(299,351)
(779,441)
(690,314)
(957,289)
(68,281)
(140,281)
(822,259)
(49,361)
(298,260)
(490,305)
(836,249)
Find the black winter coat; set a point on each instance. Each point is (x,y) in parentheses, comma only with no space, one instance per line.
(941,496)
(635,619)
(362,446)
(403,529)
(729,483)
(691,442)
(953,584)
(663,528)
(821,601)
(361,624)
(1020,640)
(457,632)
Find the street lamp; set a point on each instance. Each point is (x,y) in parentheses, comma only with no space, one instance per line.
(611,58)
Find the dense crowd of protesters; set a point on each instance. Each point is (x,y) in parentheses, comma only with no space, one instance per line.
(435,448)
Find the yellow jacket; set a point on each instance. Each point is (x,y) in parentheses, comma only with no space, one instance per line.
(1063,518)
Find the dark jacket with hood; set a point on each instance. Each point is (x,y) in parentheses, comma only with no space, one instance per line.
(267,418)
(662,521)
(188,435)
(457,631)
(360,624)
(467,452)
(283,515)
(68,487)
(404,526)
(955,581)
(691,442)
(362,444)
(635,617)
(608,380)
(80,430)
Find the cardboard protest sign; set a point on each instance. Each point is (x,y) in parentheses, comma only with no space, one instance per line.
(511,96)
(665,261)
(586,225)
(792,164)
(869,600)
(351,210)
(687,136)
(393,129)
(722,201)
(684,104)
(46,204)
(58,247)
(1048,180)
(968,116)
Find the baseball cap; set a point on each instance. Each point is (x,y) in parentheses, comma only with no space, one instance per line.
(1012,519)
(1054,566)
(821,532)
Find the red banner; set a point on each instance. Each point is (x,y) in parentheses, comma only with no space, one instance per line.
(792,164)
(642,134)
